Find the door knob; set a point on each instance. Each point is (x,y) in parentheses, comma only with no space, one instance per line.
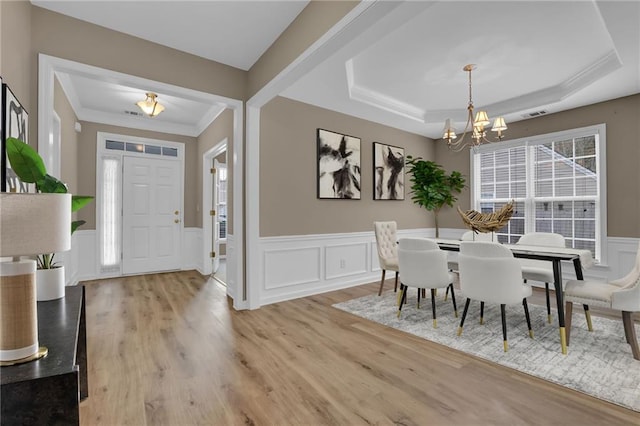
(177,221)
(176,212)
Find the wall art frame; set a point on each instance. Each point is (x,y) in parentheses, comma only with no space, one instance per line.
(339,169)
(15,123)
(388,172)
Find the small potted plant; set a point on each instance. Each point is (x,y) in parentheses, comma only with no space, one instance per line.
(29,167)
(431,187)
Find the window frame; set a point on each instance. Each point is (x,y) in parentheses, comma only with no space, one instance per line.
(599,131)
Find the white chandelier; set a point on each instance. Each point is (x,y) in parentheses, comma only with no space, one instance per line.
(477,126)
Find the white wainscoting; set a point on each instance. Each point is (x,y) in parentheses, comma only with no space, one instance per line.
(298,266)
(231,268)
(192,250)
(81,262)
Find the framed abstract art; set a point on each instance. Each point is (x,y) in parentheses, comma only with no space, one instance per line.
(15,124)
(388,172)
(338,165)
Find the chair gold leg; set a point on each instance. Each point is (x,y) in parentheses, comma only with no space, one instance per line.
(506,346)
(563,341)
(459,331)
(587,314)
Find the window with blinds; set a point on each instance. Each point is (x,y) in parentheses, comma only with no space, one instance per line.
(556,181)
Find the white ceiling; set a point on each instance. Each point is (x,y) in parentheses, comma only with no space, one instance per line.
(405,71)
(235,32)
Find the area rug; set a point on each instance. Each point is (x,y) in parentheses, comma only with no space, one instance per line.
(598,363)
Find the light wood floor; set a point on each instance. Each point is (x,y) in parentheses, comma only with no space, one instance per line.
(167,349)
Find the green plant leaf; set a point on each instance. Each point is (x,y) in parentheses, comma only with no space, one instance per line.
(25,161)
(51,185)
(79,201)
(431,187)
(76,224)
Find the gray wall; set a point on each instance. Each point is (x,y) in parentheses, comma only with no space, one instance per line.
(288,169)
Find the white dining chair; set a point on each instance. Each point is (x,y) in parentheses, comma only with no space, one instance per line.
(490,273)
(622,295)
(423,265)
(386,242)
(470,236)
(540,270)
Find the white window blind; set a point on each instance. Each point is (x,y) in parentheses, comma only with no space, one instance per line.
(556,181)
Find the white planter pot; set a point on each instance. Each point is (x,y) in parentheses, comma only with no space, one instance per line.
(50,284)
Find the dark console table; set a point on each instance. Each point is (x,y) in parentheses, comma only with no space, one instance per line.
(48,390)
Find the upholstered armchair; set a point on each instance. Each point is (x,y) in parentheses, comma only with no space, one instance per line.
(423,265)
(622,295)
(490,273)
(386,242)
(539,270)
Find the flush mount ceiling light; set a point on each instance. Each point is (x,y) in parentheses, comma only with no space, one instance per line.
(476,125)
(150,105)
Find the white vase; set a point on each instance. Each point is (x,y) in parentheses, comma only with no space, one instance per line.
(50,284)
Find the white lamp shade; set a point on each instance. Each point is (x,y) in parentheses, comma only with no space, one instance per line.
(32,224)
(150,105)
(481,119)
(449,131)
(499,124)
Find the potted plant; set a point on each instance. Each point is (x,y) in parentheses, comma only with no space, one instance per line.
(29,167)
(432,187)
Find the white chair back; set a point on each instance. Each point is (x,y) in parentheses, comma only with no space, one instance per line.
(548,239)
(423,268)
(480,236)
(489,272)
(386,241)
(628,297)
(484,249)
(417,244)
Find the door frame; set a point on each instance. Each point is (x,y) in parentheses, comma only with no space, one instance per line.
(102,152)
(207,190)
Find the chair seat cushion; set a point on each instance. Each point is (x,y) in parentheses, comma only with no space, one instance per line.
(589,292)
(389,264)
(537,273)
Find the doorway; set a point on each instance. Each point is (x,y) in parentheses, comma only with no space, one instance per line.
(139,204)
(215,211)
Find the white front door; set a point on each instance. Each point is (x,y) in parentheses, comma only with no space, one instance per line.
(151,216)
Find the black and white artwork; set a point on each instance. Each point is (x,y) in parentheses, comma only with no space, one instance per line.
(338,165)
(15,123)
(388,172)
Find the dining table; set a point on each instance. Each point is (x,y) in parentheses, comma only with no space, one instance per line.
(580,258)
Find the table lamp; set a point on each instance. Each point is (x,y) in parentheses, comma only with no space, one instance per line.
(30,224)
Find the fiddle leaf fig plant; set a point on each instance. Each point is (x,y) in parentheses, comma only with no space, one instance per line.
(29,167)
(431,187)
